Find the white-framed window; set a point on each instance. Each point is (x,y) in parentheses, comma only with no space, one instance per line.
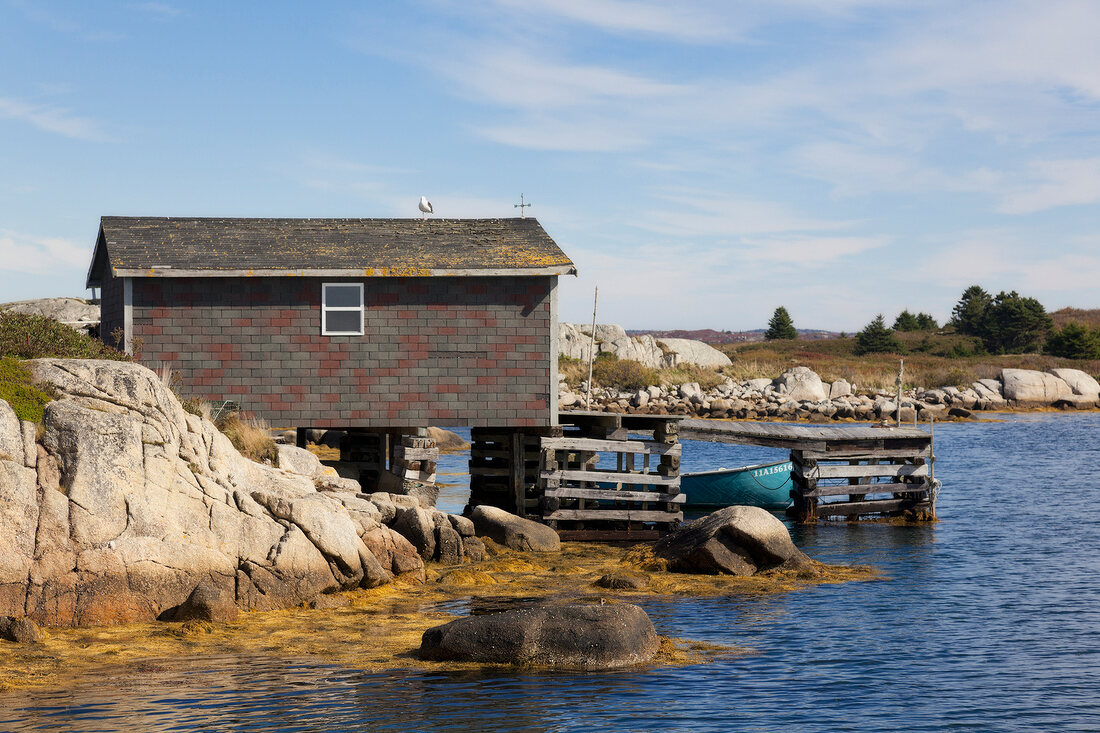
(342,309)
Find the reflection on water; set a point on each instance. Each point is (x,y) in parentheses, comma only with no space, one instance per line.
(986,621)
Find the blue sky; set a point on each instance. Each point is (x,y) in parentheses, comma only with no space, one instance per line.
(702,162)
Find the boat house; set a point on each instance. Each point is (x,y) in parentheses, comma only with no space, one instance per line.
(347,323)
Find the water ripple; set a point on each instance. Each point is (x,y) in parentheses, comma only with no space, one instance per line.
(988,622)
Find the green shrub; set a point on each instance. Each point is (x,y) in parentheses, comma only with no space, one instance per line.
(623,374)
(1074,341)
(877,338)
(17,389)
(26,336)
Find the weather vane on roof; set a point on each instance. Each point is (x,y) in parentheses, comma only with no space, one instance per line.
(521,206)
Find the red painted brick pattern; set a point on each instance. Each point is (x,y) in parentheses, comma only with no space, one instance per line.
(439,351)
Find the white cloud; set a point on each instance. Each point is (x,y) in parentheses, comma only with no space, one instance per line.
(57,120)
(161,10)
(21,253)
(520,79)
(807,250)
(702,213)
(620,16)
(1056,183)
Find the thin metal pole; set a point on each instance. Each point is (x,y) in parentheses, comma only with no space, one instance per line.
(592,350)
(901,370)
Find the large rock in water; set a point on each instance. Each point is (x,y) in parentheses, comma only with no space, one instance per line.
(512,531)
(801,384)
(737,540)
(571,636)
(1028,387)
(133,503)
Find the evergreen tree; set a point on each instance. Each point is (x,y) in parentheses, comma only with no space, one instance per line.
(925,322)
(1074,341)
(969,314)
(780,326)
(1015,324)
(876,337)
(906,321)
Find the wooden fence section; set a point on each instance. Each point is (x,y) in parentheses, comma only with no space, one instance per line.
(585,497)
(843,471)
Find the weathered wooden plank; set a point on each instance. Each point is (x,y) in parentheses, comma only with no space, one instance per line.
(766,441)
(846,471)
(631,515)
(516,477)
(415,454)
(612,446)
(848,432)
(864,454)
(848,489)
(615,495)
(612,477)
(852,508)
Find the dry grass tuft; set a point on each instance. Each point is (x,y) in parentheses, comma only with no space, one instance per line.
(252,437)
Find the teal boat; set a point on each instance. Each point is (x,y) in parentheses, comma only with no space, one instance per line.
(766,485)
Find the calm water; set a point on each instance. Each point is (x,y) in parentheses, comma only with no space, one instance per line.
(990,620)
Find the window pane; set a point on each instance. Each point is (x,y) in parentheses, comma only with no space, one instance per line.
(342,296)
(342,321)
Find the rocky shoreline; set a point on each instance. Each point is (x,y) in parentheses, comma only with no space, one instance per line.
(799,394)
(121,507)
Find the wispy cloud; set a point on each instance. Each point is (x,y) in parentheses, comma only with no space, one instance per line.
(621,16)
(694,213)
(160,10)
(57,120)
(1055,183)
(21,253)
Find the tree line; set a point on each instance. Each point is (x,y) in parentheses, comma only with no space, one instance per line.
(1007,323)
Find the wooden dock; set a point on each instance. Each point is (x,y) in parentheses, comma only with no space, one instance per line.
(871,470)
(587,478)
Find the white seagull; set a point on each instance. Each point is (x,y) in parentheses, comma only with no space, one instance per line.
(425,207)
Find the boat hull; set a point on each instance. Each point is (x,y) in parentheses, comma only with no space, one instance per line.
(767,486)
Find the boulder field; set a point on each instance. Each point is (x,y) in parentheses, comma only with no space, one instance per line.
(800,394)
(121,504)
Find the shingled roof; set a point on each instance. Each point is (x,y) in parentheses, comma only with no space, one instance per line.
(146,246)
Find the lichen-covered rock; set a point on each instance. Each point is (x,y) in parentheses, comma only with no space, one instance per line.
(18,629)
(568,637)
(622,581)
(207,602)
(512,531)
(801,384)
(690,351)
(1079,382)
(1027,387)
(737,540)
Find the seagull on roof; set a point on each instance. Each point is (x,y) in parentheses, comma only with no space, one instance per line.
(425,207)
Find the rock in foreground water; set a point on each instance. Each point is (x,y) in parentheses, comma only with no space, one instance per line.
(737,540)
(568,637)
(512,531)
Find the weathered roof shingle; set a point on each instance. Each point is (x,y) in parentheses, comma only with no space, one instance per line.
(161,246)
